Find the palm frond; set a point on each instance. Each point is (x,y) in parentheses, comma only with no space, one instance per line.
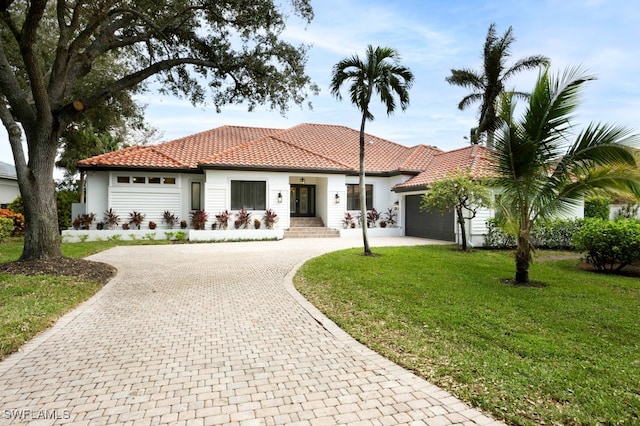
(466,78)
(469,99)
(526,64)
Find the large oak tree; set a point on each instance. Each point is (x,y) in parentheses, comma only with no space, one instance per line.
(50,51)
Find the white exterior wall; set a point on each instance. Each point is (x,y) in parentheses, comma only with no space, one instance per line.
(383,197)
(8,190)
(152,200)
(97,200)
(218,194)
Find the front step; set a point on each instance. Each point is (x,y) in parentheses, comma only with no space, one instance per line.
(311,232)
(306,222)
(309,227)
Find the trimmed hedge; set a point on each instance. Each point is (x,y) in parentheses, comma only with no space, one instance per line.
(610,245)
(6,228)
(557,235)
(597,207)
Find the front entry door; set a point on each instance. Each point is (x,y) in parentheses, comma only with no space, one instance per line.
(302,200)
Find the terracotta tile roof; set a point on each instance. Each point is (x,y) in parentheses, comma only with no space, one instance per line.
(183,153)
(342,144)
(475,158)
(312,147)
(271,152)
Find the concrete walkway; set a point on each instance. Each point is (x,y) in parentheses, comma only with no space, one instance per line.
(213,334)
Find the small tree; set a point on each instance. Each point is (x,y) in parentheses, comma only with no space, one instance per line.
(457,191)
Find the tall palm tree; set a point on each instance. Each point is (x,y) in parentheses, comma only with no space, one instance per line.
(380,72)
(543,169)
(488,84)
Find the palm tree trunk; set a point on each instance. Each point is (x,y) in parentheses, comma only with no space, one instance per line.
(363,191)
(523,257)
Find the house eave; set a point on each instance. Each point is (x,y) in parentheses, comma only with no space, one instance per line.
(272,169)
(411,188)
(102,168)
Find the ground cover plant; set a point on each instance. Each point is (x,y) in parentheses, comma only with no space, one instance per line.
(563,353)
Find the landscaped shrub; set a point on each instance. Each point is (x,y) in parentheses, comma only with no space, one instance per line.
(243,219)
(496,237)
(64,201)
(223,219)
(84,221)
(597,207)
(372,218)
(169,218)
(111,219)
(270,218)
(17,206)
(198,219)
(16,218)
(628,211)
(6,228)
(557,234)
(610,245)
(136,218)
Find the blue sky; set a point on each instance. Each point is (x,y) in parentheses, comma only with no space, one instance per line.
(433,37)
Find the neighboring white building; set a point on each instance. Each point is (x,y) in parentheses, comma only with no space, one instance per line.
(310,170)
(8,184)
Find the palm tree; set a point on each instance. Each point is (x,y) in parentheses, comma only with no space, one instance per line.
(379,72)
(488,84)
(542,169)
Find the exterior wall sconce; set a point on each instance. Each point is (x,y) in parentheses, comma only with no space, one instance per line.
(337,198)
(302,180)
(279,197)
(396,205)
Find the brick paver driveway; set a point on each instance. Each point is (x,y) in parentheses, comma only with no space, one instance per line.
(212,334)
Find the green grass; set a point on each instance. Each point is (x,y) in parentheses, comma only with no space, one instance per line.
(566,353)
(31,304)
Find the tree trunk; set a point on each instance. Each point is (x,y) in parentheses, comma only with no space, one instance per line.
(81,186)
(523,257)
(463,231)
(363,191)
(41,238)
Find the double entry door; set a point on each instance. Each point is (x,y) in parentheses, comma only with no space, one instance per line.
(302,200)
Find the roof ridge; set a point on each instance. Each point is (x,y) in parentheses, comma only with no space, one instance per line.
(157,151)
(224,126)
(312,152)
(414,153)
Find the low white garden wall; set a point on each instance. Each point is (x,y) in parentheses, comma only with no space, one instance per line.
(372,232)
(76,236)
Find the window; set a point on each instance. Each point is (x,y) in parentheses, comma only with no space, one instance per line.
(155,180)
(195,196)
(249,195)
(139,179)
(123,179)
(353,196)
(169,181)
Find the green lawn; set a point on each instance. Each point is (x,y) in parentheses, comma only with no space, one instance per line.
(566,353)
(31,304)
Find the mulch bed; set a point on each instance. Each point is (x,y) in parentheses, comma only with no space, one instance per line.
(84,269)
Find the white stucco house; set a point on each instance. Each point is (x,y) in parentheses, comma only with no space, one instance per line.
(8,184)
(310,170)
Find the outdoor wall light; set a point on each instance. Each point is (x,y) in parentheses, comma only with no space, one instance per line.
(337,198)
(302,181)
(279,197)
(396,205)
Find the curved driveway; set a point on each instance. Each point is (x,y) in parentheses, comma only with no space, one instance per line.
(213,334)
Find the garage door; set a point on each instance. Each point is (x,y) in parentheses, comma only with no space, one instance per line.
(427,224)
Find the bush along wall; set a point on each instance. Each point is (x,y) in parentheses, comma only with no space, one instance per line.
(609,245)
(597,207)
(556,234)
